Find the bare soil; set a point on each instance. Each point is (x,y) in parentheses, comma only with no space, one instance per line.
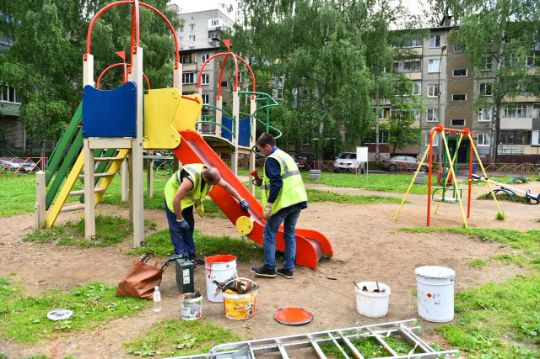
(367,246)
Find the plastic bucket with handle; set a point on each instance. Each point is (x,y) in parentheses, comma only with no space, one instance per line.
(240,306)
(220,268)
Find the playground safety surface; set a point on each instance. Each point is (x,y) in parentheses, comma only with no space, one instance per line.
(367,245)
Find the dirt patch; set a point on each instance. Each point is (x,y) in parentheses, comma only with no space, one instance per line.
(367,246)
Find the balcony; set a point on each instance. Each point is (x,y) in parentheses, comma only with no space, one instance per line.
(10,109)
(511,149)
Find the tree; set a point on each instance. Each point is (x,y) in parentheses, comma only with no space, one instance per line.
(44,63)
(501,34)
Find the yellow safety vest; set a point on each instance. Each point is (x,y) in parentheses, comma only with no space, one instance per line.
(293,190)
(196,195)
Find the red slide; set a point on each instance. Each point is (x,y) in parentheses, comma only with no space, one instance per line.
(310,244)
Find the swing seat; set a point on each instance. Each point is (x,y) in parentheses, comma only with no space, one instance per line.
(443,195)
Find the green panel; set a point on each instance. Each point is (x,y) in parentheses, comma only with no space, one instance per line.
(60,150)
(65,167)
(10,109)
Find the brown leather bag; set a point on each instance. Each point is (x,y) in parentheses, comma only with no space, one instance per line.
(141,279)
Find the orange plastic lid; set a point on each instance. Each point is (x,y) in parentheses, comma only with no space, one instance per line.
(293,316)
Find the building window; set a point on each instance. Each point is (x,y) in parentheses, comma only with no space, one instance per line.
(181,29)
(191,27)
(205,58)
(488,64)
(416,114)
(185,59)
(411,65)
(459,97)
(434,65)
(435,139)
(535,138)
(485,114)
(515,137)
(483,139)
(417,87)
(432,115)
(192,38)
(518,111)
(529,61)
(459,48)
(435,41)
(205,79)
(433,90)
(458,122)
(8,94)
(206,98)
(215,22)
(188,78)
(486,89)
(460,73)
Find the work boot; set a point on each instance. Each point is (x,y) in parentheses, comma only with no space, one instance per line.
(287,273)
(264,271)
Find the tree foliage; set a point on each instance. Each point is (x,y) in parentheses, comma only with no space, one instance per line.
(503,33)
(332,54)
(44,62)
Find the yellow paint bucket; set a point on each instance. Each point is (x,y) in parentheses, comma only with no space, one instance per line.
(240,306)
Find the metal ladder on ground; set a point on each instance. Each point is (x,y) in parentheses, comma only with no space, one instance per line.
(338,343)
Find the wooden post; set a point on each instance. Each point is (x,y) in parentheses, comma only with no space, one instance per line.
(236,132)
(137,168)
(252,139)
(41,193)
(124,180)
(150,178)
(89,200)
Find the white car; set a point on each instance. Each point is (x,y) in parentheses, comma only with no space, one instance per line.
(346,161)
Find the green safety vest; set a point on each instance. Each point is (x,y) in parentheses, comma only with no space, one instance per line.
(293,190)
(196,195)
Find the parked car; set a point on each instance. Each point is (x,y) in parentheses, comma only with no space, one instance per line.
(403,163)
(16,164)
(303,160)
(346,161)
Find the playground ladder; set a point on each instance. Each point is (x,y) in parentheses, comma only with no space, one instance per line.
(309,345)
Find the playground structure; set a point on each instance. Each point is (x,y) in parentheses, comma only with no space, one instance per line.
(112,127)
(448,174)
(512,192)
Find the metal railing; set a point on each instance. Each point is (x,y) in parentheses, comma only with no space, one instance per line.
(22,164)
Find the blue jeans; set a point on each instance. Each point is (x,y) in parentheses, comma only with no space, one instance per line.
(182,240)
(288,216)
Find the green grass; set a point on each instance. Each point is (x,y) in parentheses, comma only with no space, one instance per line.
(499,320)
(376,182)
(175,337)
(21,191)
(529,241)
(24,319)
(477,263)
(327,196)
(244,249)
(110,230)
(368,347)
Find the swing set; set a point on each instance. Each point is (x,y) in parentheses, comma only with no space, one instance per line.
(449,191)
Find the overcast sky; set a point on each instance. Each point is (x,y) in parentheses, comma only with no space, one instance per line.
(200,5)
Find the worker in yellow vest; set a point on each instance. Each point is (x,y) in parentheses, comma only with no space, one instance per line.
(284,196)
(187,188)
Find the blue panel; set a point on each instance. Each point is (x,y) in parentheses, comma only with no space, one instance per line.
(245,132)
(226,123)
(110,113)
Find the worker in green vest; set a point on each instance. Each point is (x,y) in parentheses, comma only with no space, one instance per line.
(284,196)
(187,188)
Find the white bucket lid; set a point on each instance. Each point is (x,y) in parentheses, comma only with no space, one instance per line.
(435,272)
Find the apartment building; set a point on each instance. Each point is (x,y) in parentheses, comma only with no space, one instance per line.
(450,91)
(200,37)
(12,131)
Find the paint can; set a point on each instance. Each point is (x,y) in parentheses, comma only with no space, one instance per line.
(220,268)
(191,305)
(240,306)
(435,293)
(372,302)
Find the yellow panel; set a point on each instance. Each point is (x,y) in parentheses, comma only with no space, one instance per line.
(244,225)
(188,113)
(112,170)
(160,107)
(56,207)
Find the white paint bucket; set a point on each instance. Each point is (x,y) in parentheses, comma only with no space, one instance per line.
(191,306)
(220,268)
(370,303)
(435,293)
